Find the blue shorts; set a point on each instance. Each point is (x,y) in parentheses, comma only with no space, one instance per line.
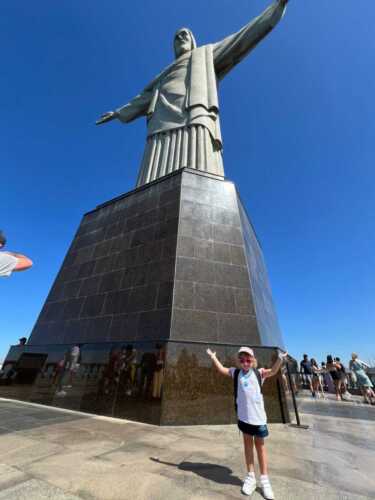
(260,431)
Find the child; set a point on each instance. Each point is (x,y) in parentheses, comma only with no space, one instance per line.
(252,419)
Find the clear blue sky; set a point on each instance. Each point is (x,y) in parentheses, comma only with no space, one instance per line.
(299,141)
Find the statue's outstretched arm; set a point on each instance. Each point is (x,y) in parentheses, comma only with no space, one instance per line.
(134,109)
(230,51)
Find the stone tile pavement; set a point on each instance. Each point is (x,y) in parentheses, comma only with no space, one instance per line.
(54,454)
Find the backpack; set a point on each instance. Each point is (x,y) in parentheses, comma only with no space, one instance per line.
(235,383)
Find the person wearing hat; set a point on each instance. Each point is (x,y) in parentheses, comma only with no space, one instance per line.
(10,261)
(252,418)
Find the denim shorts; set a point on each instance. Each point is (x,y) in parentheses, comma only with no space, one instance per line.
(260,431)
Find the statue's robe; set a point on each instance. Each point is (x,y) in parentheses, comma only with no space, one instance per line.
(181,103)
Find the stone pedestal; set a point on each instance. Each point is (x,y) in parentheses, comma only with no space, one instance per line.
(165,270)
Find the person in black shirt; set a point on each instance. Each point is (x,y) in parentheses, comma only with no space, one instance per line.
(307,373)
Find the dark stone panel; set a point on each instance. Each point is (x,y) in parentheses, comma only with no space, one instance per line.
(186,246)
(135,276)
(117,244)
(237,255)
(126,258)
(73,308)
(54,311)
(189,324)
(185,227)
(239,329)
(71,289)
(202,229)
(93,305)
(195,270)
(69,273)
(124,327)
(227,234)
(117,302)
(56,292)
(165,295)
(143,236)
(193,247)
(114,230)
(169,248)
(226,300)
(85,270)
(228,217)
(203,249)
(111,281)
(184,294)
(206,297)
(214,298)
(161,271)
(222,252)
(142,298)
(98,329)
(152,252)
(76,331)
(244,302)
(170,196)
(102,249)
(90,286)
(230,275)
(102,265)
(166,229)
(154,325)
(84,255)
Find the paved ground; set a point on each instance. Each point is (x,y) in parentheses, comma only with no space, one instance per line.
(50,454)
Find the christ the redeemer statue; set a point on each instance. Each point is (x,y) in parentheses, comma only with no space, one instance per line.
(181,103)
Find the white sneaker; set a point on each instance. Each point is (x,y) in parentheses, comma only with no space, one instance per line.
(61,394)
(266,488)
(249,484)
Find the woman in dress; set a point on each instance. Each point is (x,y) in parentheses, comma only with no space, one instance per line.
(358,367)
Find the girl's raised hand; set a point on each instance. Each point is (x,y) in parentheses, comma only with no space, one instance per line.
(210,353)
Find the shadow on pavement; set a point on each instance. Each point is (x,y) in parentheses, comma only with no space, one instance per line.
(218,473)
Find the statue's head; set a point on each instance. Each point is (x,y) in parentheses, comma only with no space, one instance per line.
(184,41)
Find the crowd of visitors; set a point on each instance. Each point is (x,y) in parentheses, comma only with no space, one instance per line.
(333,376)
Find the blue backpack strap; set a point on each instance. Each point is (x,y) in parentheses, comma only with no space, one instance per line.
(235,386)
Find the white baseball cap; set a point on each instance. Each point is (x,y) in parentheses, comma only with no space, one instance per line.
(247,350)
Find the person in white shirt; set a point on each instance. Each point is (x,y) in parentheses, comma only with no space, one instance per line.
(10,261)
(252,418)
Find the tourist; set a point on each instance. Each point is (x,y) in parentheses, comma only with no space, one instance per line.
(327,379)
(344,379)
(10,261)
(358,367)
(316,379)
(335,371)
(307,373)
(252,419)
(75,355)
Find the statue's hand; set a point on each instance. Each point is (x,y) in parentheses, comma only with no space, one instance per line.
(283,2)
(107,117)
